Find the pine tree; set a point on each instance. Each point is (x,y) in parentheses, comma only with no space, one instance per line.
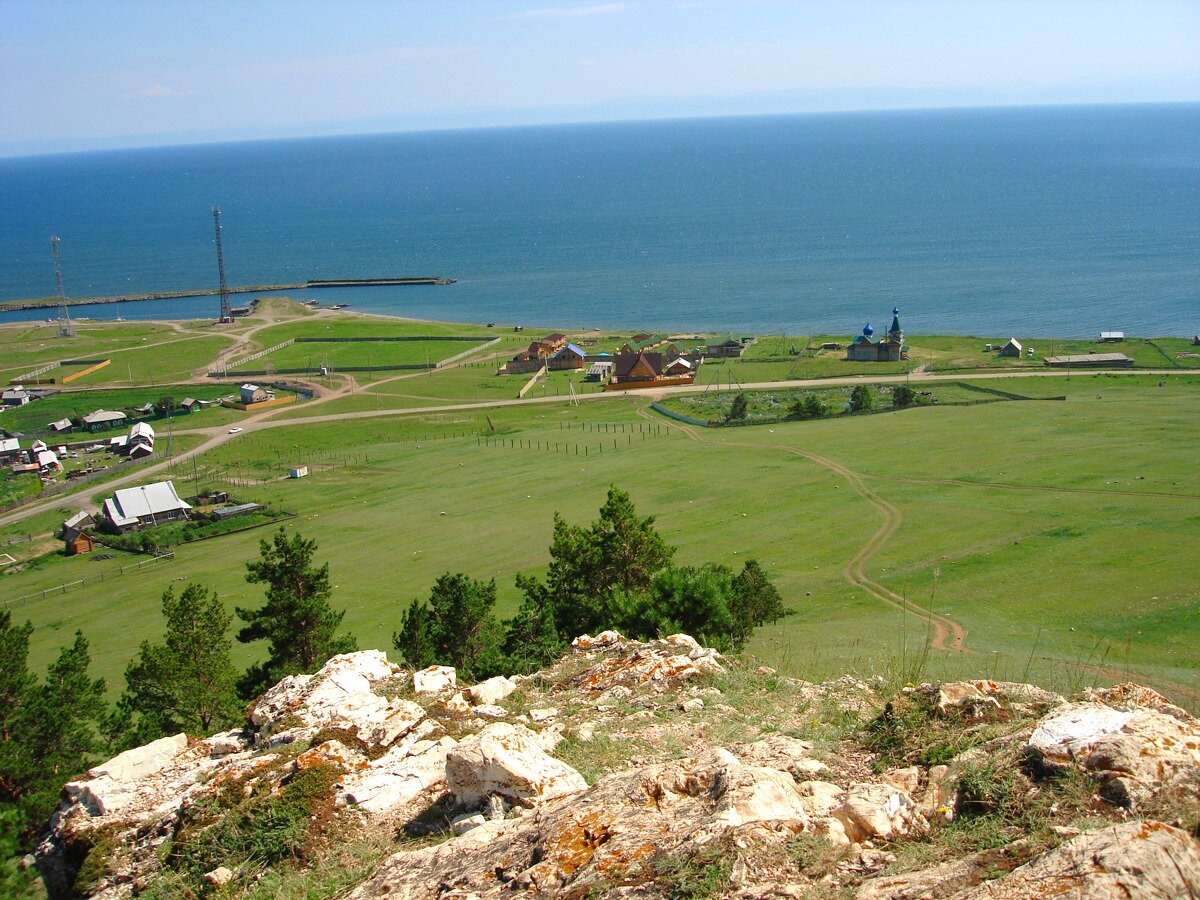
(297,620)
(455,628)
(52,733)
(531,640)
(739,408)
(188,682)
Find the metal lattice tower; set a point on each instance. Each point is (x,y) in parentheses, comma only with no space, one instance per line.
(65,328)
(226,308)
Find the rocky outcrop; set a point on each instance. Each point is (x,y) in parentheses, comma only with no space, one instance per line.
(698,773)
(1134,751)
(1147,860)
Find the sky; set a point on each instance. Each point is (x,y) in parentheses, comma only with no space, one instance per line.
(84,74)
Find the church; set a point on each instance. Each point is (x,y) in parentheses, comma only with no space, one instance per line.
(866,348)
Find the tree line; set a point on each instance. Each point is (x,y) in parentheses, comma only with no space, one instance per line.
(618,572)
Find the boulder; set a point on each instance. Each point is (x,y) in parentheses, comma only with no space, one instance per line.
(398,777)
(539,716)
(457,705)
(434,679)
(1147,860)
(879,811)
(1135,753)
(492,691)
(114,785)
(508,760)
(489,712)
(755,794)
(225,743)
(605,640)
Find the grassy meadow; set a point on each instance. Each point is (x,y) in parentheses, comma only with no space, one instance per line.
(1059,535)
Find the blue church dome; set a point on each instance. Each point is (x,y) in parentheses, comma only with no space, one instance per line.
(868,330)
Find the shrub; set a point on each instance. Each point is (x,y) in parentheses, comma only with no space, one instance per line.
(810,406)
(903,396)
(862,399)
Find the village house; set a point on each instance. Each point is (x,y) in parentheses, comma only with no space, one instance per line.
(10,450)
(15,396)
(47,462)
(189,405)
(891,348)
(252,393)
(640,343)
(151,504)
(570,357)
(140,441)
(103,418)
(679,366)
(75,538)
(728,345)
(647,369)
(1012,349)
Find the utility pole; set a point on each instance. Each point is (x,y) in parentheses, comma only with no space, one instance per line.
(226,308)
(65,328)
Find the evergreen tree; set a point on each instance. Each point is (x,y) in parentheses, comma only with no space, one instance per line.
(739,408)
(903,396)
(617,552)
(688,600)
(51,731)
(297,620)
(862,398)
(530,640)
(455,628)
(755,602)
(188,682)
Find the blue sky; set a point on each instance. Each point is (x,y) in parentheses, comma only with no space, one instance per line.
(79,75)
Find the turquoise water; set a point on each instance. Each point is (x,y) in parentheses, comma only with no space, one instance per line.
(1024,221)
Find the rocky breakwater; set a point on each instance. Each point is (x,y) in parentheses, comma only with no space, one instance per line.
(652,770)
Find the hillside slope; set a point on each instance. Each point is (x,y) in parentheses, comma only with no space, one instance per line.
(645,769)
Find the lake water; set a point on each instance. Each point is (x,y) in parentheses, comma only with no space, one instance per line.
(1029,222)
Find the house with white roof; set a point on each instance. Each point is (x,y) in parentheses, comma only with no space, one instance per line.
(150,504)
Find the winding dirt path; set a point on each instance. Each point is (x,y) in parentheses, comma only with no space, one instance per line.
(947,634)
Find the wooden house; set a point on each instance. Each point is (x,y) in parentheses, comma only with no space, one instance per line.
(551,344)
(1012,349)
(643,366)
(252,393)
(151,504)
(570,357)
(103,418)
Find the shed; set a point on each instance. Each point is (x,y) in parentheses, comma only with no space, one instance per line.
(47,460)
(1012,349)
(10,449)
(78,542)
(1090,361)
(60,425)
(598,371)
(230,512)
(1112,337)
(298,472)
(16,396)
(189,404)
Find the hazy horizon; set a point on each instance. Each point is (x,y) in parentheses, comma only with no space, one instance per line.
(78,76)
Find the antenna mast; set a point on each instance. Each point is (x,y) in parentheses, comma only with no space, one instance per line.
(226,309)
(65,328)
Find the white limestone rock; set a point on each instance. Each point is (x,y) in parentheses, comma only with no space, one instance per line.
(434,679)
(509,761)
(492,691)
(114,785)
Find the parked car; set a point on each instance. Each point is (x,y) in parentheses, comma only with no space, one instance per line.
(235,430)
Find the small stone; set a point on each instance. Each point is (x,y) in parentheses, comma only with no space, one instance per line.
(585,731)
(219,876)
(463,824)
(538,716)
(695,704)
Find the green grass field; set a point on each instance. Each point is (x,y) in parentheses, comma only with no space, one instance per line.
(141,352)
(366,353)
(1058,534)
